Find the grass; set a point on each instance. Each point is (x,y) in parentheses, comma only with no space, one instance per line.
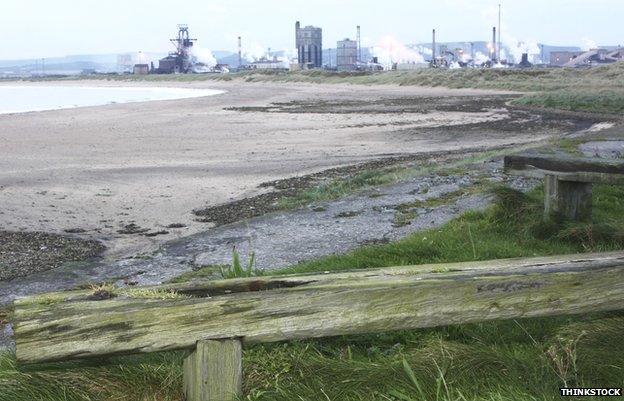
(341,187)
(513,227)
(150,377)
(505,360)
(4,315)
(597,90)
(571,145)
(406,212)
(596,101)
(512,360)
(237,269)
(524,80)
(371,178)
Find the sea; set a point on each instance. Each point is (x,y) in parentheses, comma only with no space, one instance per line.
(28,98)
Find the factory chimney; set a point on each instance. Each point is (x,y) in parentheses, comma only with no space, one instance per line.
(240,52)
(494,45)
(433,50)
(359,45)
(499,47)
(297,43)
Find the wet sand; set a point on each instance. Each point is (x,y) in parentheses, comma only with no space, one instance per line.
(115,173)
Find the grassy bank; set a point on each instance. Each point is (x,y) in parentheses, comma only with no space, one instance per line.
(523,80)
(509,360)
(593,100)
(591,90)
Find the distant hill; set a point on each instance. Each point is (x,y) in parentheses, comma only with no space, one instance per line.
(59,68)
(72,63)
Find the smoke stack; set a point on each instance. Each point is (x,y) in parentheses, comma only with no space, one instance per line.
(433,49)
(359,45)
(299,50)
(493,44)
(240,52)
(499,47)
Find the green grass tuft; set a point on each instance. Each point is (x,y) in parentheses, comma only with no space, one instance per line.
(237,270)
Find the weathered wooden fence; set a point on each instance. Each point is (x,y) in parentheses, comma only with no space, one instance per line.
(215,318)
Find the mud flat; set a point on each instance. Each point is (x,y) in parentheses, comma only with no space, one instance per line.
(130,175)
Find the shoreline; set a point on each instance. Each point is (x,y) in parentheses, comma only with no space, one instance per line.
(120,96)
(131,175)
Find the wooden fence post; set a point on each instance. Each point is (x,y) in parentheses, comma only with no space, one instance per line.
(570,199)
(213,372)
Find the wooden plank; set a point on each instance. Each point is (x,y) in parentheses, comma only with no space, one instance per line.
(569,199)
(214,371)
(336,305)
(582,169)
(202,288)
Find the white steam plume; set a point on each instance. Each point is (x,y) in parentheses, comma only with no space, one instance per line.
(588,44)
(481,58)
(389,50)
(203,56)
(254,52)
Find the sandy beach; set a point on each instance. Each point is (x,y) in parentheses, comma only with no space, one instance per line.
(109,171)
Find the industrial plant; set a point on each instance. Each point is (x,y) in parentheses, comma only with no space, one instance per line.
(179,61)
(348,56)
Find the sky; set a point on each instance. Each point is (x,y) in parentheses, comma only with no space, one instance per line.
(48,28)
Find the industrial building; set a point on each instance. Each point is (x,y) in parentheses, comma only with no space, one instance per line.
(309,42)
(588,58)
(267,63)
(410,66)
(595,57)
(125,63)
(346,55)
(180,60)
(140,69)
(560,58)
(524,62)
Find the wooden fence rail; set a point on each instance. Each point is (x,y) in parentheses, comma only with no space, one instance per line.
(214,318)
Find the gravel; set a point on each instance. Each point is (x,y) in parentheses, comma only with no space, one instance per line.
(25,253)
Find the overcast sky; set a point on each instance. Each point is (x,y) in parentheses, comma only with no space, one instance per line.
(46,28)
